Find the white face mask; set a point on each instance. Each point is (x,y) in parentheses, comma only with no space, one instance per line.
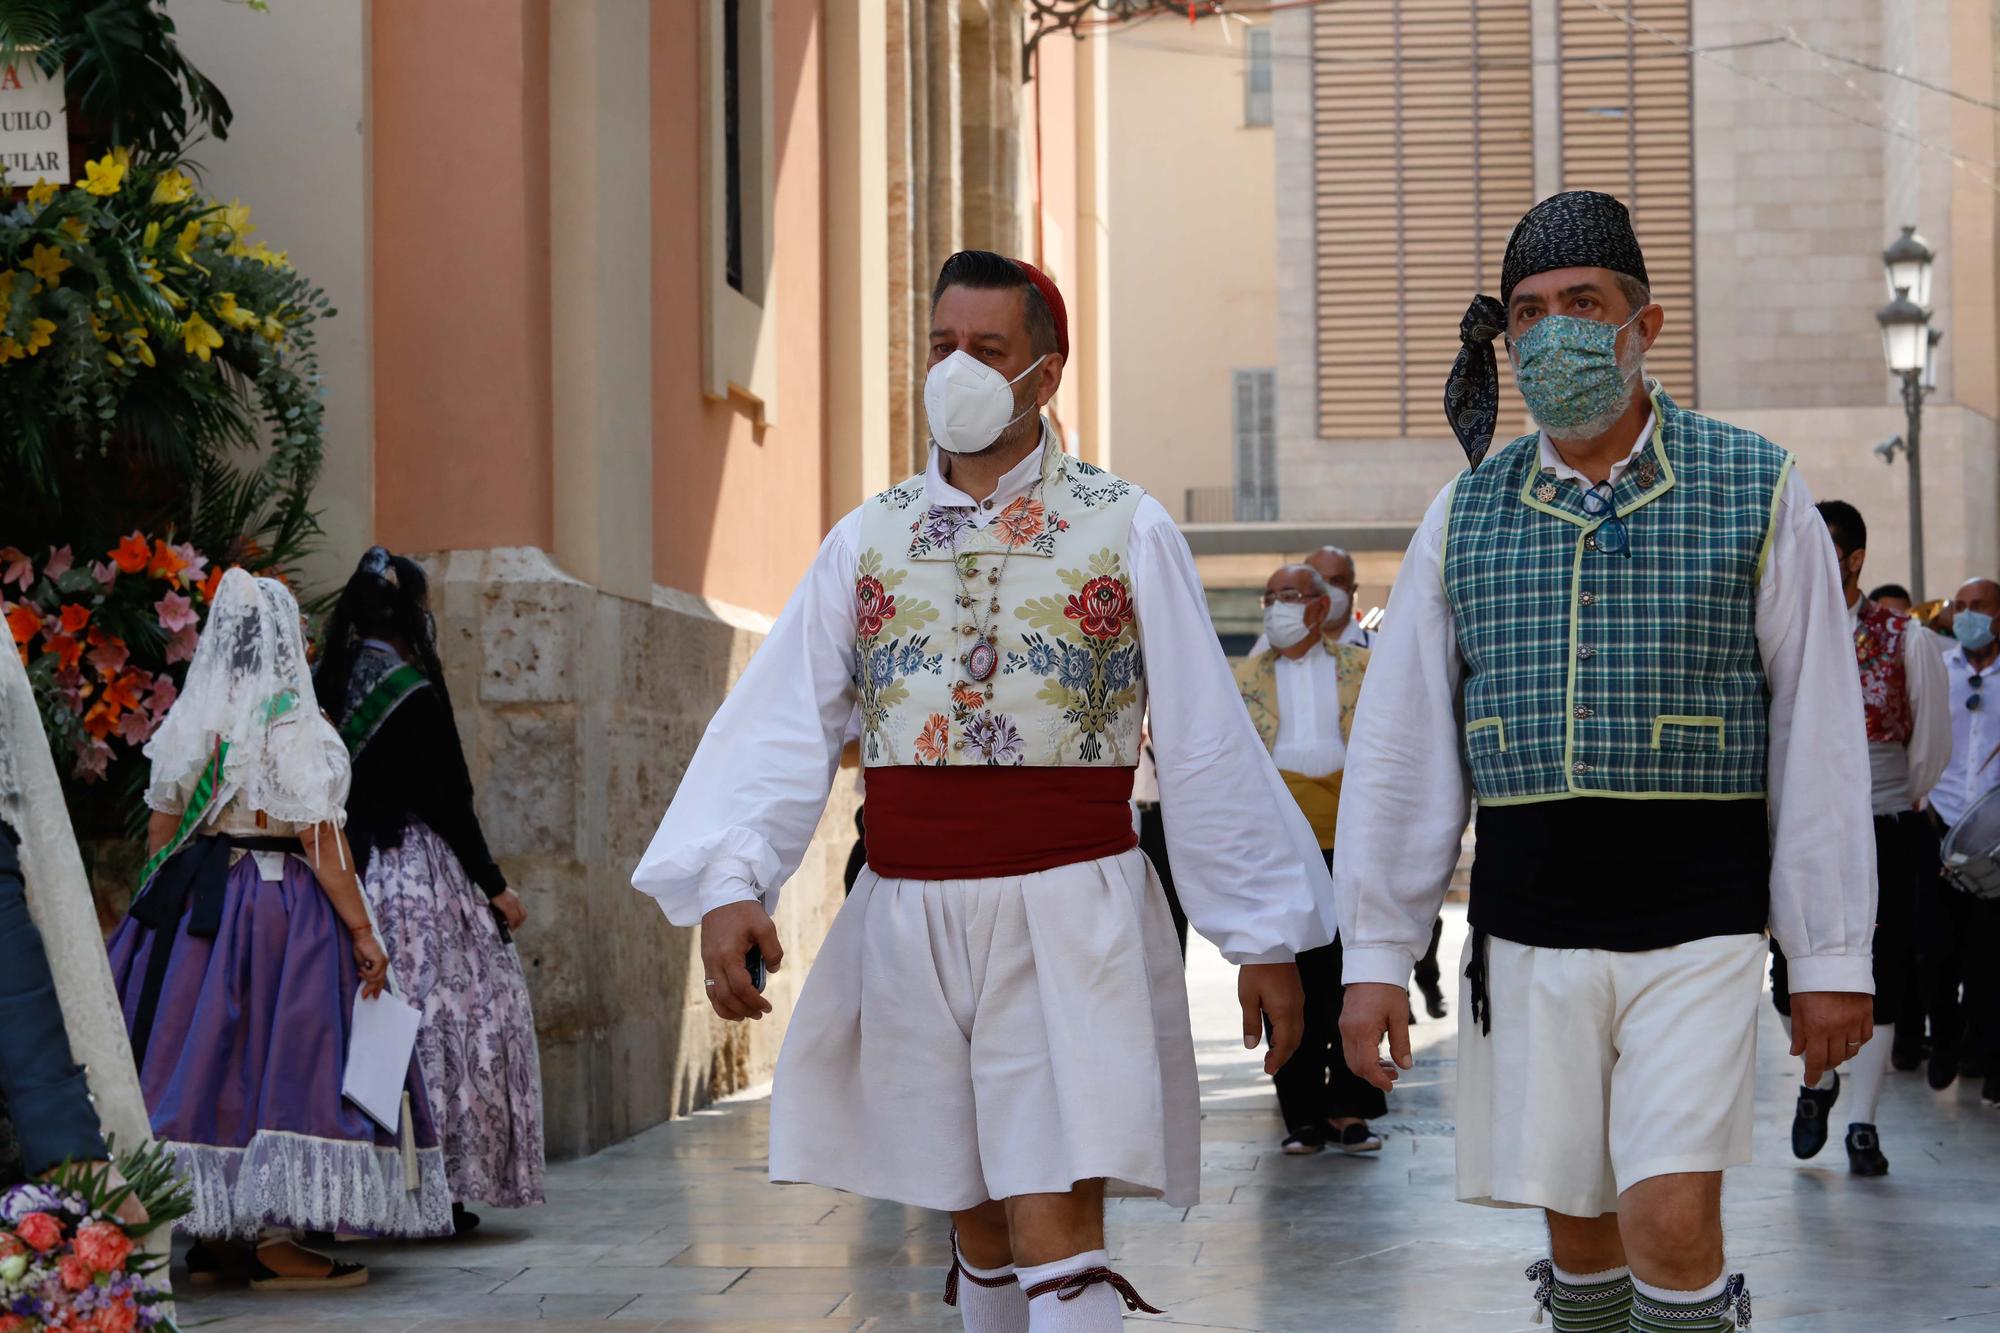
(1337,613)
(970,404)
(1285,624)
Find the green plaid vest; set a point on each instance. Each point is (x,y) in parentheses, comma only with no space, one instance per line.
(1590,674)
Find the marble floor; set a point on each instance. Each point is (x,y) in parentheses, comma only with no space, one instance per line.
(678,1229)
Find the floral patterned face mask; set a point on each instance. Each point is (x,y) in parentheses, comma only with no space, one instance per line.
(1568,370)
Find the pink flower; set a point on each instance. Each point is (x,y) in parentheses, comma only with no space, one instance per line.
(75,1273)
(92,758)
(137,727)
(109,657)
(104,572)
(196,562)
(180,648)
(61,560)
(176,612)
(41,1231)
(15,567)
(164,694)
(103,1246)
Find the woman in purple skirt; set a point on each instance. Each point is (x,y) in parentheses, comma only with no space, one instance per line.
(444,906)
(239,965)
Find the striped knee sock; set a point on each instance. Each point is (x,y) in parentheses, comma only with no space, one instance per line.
(1717,1308)
(1586,1302)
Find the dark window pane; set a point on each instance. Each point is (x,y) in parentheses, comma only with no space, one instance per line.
(732,139)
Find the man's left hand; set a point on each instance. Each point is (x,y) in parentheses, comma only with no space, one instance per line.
(1272,991)
(1829,1026)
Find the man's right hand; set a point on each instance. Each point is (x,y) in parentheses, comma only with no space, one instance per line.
(1368,1012)
(727,935)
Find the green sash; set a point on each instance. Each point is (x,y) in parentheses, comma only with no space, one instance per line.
(199,800)
(369,715)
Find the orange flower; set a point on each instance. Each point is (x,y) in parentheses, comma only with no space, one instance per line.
(931,742)
(126,691)
(74,618)
(101,720)
(968,696)
(133,554)
(167,562)
(1022,521)
(25,621)
(67,650)
(215,573)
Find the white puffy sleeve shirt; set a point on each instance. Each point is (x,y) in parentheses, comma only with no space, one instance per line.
(1248,870)
(1405,803)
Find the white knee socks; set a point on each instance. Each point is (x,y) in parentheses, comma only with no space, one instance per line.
(1096,1308)
(1867,1071)
(990,1300)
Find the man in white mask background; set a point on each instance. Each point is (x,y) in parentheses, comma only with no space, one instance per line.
(1301,693)
(997,1023)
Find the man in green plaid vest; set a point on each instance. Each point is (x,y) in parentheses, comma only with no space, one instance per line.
(1623,636)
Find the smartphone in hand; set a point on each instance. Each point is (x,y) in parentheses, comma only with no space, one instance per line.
(754,961)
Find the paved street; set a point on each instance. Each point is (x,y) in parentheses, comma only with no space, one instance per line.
(677,1229)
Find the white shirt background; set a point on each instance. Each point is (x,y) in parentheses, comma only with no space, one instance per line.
(1971,771)
(1308,741)
(1408,795)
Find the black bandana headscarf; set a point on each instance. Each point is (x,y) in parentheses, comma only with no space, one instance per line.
(1577,229)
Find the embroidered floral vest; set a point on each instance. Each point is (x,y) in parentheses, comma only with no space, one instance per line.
(1885,689)
(1069,688)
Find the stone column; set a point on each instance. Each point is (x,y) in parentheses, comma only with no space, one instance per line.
(600,80)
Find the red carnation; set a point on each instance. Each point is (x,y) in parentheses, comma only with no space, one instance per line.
(104,1246)
(120,1318)
(74,1272)
(41,1231)
(1103,608)
(873,605)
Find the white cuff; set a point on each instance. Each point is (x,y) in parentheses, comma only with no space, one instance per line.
(723,889)
(1270,956)
(1385,965)
(1854,973)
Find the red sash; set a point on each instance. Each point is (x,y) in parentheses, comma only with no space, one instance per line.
(980,822)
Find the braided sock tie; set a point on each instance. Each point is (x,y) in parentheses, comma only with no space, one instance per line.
(1072,1285)
(1599,1307)
(1730,1310)
(958,1271)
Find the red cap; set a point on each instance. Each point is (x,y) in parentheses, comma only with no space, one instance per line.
(1053,299)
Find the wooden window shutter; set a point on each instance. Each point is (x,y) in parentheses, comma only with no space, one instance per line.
(1424,160)
(1628,130)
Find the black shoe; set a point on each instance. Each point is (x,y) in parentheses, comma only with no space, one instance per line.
(1907,1055)
(1989,1091)
(1433,998)
(1303,1143)
(1864,1151)
(1358,1139)
(463,1223)
(1943,1071)
(1809,1119)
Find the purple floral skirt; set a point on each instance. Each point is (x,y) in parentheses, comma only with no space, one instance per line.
(243,1069)
(477,1043)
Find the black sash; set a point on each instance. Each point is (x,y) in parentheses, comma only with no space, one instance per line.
(196,875)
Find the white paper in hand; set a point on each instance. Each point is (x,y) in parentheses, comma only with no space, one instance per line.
(378,1057)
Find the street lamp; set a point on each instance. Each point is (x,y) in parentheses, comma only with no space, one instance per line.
(1908,342)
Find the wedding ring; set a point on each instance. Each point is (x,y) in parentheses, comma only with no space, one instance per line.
(710,983)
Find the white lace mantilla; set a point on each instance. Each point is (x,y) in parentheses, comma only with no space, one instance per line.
(312,1184)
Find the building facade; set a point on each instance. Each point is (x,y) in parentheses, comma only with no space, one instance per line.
(1765,175)
(631,302)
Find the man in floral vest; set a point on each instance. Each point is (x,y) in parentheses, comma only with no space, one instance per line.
(1906,697)
(1301,692)
(1624,636)
(997,1024)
